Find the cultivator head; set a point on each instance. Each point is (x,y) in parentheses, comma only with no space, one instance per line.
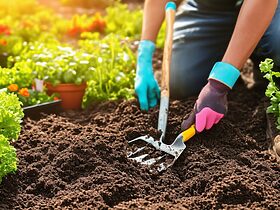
(173,150)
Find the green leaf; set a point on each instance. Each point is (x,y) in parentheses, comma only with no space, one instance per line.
(11,114)
(8,159)
(270,109)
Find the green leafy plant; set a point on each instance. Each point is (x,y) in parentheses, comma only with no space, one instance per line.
(113,69)
(10,118)
(54,62)
(19,80)
(29,97)
(124,22)
(10,115)
(128,23)
(272,91)
(21,75)
(36,97)
(8,158)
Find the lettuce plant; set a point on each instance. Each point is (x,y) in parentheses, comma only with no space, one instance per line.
(8,159)
(272,91)
(10,118)
(10,115)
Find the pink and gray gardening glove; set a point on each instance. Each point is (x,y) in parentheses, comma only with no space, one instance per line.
(211,105)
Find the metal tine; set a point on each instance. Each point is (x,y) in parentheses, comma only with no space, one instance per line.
(152,161)
(162,166)
(146,139)
(138,138)
(140,158)
(149,162)
(135,152)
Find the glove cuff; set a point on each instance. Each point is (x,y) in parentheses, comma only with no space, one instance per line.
(224,73)
(145,57)
(146,50)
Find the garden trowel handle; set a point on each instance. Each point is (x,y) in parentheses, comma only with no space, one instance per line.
(189,133)
(164,96)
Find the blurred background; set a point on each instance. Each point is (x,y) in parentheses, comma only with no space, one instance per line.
(70,42)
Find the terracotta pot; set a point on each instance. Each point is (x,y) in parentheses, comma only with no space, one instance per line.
(70,94)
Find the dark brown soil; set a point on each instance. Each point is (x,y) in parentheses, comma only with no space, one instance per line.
(78,161)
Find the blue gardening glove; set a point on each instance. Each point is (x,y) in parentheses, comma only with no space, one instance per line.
(211,105)
(146,86)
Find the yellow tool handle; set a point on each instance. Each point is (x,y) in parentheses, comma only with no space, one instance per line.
(189,133)
(170,18)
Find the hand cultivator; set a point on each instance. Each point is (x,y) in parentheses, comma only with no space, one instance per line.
(177,147)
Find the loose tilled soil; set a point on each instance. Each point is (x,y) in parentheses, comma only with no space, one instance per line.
(78,161)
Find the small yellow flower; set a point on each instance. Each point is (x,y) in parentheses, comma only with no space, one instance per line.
(24,92)
(13,87)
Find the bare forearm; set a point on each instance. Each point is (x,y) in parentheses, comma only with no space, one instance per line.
(154,12)
(253,20)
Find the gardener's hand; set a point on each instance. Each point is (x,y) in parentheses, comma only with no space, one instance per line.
(211,105)
(146,86)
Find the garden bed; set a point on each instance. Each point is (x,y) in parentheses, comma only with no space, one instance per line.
(78,160)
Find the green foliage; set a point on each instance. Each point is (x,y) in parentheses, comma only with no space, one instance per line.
(8,159)
(104,60)
(7,77)
(10,119)
(54,62)
(10,115)
(120,20)
(35,97)
(113,69)
(21,75)
(128,23)
(272,91)
(43,26)
(33,20)
(33,27)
